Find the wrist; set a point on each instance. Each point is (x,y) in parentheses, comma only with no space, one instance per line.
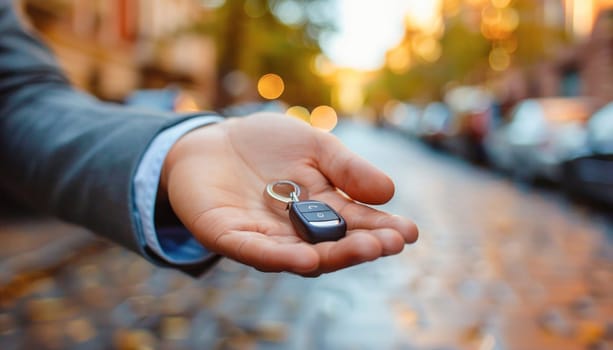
(191,143)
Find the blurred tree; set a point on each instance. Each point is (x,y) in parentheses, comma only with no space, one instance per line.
(257,37)
(463,55)
(520,30)
(537,39)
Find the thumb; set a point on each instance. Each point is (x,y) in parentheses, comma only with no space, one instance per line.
(351,173)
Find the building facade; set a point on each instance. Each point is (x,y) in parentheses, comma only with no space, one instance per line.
(112,47)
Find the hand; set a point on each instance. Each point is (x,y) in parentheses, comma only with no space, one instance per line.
(215,178)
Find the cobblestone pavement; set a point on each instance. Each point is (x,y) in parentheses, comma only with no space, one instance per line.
(497,266)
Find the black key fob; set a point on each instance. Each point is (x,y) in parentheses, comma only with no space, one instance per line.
(316,222)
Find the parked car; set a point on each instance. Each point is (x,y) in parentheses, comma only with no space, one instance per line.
(404,117)
(435,123)
(591,175)
(541,134)
(498,151)
(472,109)
(600,131)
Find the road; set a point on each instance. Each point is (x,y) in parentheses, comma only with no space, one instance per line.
(497,266)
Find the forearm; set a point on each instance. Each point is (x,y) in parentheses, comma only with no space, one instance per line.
(73,157)
(64,152)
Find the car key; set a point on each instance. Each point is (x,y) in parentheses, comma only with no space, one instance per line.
(314,221)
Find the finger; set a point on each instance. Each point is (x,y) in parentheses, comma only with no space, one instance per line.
(359,216)
(391,241)
(356,248)
(351,173)
(266,254)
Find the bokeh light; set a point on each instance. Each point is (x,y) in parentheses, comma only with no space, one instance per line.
(324,118)
(236,83)
(424,14)
(427,48)
(510,45)
(399,59)
(322,66)
(498,23)
(582,16)
(299,112)
(290,12)
(499,59)
(271,86)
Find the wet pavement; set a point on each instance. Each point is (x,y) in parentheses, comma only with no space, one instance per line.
(497,266)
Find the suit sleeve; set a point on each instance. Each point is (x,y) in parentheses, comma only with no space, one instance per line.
(63,152)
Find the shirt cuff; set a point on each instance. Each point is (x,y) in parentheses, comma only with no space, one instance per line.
(175,245)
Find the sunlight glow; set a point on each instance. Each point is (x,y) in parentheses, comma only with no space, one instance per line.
(583,17)
(424,15)
(365,33)
(368,29)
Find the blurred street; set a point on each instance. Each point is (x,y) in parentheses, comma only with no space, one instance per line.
(497,266)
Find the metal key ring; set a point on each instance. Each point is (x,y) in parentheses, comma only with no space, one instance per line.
(293,195)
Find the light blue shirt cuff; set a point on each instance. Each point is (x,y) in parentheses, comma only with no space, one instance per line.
(176,245)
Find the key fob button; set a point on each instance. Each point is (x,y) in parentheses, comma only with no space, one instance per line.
(307,207)
(327,215)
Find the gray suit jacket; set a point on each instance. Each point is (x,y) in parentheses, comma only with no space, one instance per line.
(63,152)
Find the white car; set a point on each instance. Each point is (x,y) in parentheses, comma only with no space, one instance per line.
(543,133)
(600,131)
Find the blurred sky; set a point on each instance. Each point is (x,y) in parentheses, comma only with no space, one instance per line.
(368,28)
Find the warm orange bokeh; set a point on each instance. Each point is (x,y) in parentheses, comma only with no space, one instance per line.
(271,86)
(324,118)
(299,112)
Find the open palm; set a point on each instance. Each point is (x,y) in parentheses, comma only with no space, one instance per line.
(215,177)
